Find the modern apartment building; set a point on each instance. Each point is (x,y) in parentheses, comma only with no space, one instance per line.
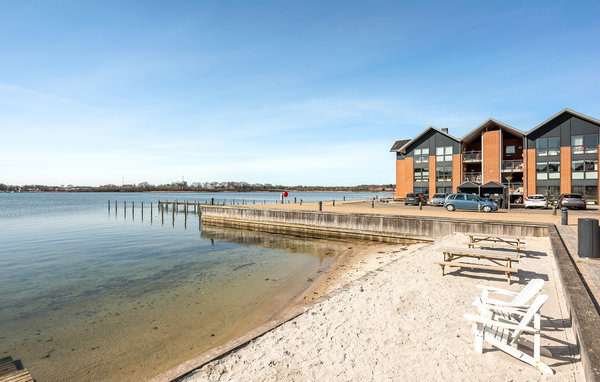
(558,156)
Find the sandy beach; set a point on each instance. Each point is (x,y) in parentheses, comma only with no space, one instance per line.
(393,316)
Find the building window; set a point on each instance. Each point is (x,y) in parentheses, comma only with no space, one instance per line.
(584,144)
(588,192)
(444,174)
(547,146)
(547,170)
(443,154)
(422,190)
(510,149)
(422,155)
(584,169)
(421,175)
(551,192)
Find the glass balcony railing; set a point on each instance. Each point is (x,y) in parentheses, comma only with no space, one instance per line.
(512,165)
(471,156)
(475,177)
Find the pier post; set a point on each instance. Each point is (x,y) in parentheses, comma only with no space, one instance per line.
(115,206)
(125,209)
(162,216)
(142,211)
(333,201)
(109,206)
(320,206)
(294,200)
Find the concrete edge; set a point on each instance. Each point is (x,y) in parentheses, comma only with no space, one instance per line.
(411,217)
(308,230)
(585,317)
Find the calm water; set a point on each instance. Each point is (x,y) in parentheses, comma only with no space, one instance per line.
(91,295)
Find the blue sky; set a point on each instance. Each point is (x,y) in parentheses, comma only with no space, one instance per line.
(306,92)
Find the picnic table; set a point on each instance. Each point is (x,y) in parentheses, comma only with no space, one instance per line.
(501,260)
(492,240)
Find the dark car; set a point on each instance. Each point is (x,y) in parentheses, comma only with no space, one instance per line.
(414,199)
(437,199)
(573,201)
(468,202)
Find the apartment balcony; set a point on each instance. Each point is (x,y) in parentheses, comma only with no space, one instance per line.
(516,188)
(512,166)
(475,177)
(472,157)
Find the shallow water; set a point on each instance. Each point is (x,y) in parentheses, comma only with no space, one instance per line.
(90,295)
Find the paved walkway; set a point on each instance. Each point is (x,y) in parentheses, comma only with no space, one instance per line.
(590,269)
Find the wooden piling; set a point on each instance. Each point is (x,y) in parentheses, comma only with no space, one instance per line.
(109,206)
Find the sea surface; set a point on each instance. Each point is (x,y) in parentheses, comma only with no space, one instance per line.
(92,294)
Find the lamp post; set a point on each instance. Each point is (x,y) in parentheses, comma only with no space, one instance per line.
(509,178)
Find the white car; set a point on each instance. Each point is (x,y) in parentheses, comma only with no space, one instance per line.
(536,200)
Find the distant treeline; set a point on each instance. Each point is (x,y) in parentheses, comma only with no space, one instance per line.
(193,187)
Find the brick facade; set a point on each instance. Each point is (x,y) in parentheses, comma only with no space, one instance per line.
(404,177)
(528,172)
(565,169)
(491,156)
(432,175)
(456,171)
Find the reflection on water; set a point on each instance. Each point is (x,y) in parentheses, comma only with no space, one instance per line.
(125,296)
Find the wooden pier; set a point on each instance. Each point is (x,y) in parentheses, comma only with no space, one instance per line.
(10,373)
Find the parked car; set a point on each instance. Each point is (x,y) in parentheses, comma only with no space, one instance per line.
(468,202)
(536,200)
(437,199)
(573,201)
(414,199)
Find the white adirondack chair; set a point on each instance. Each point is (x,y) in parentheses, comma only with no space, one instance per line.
(489,327)
(520,299)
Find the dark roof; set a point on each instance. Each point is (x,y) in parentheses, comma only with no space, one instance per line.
(468,185)
(476,132)
(399,144)
(407,143)
(569,111)
(493,184)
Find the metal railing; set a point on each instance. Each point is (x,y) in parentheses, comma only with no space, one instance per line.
(475,177)
(512,165)
(516,188)
(472,156)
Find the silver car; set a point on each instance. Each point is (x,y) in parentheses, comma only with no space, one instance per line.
(438,199)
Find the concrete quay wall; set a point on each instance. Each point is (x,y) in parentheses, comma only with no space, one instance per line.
(367,226)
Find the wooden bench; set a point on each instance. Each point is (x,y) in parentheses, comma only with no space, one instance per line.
(9,372)
(513,240)
(517,247)
(501,260)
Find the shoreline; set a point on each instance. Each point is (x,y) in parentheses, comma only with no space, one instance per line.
(355,262)
(387,318)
